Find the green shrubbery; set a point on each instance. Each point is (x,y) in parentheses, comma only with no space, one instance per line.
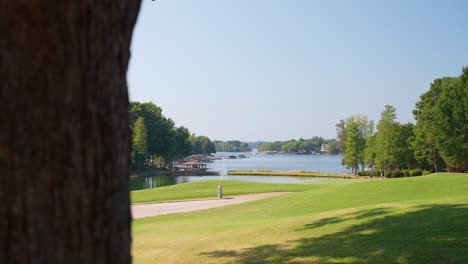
(395,173)
(416,172)
(369,173)
(364,173)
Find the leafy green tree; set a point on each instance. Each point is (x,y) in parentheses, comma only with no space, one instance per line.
(166,142)
(202,145)
(350,157)
(244,147)
(452,122)
(333,148)
(423,142)
(292,146)
(140,143)
(341,135)
(352,133)
(405,154)
(231,146)
(442,123)
(183,147)
(386,139)
(369,152)
(161,136)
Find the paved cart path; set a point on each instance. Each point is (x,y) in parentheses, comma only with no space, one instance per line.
(145,210)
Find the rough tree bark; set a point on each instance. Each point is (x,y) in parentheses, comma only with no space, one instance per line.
(64,134)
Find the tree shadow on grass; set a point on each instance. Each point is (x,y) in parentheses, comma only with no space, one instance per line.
(351,216)
(427,234)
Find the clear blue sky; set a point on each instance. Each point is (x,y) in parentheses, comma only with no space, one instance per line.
(283,69)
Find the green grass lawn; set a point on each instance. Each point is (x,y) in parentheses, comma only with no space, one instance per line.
(407,220)
(208,189)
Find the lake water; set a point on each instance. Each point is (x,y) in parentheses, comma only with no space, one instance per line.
(276,162)
(279,162)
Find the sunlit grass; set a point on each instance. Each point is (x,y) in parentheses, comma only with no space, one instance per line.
(408,220)
(208,189)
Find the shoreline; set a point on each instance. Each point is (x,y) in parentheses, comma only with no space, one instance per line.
(296,173)
(151,173)
(291,174)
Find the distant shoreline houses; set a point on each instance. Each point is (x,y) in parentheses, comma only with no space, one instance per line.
(324,149)
(196,162)
(199,162)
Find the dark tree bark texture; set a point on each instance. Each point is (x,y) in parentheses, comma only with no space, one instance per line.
(64,134)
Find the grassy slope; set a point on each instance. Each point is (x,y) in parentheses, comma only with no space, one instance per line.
(417,220)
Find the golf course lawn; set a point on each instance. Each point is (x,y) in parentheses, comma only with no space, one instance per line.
(406,220)
(208,189)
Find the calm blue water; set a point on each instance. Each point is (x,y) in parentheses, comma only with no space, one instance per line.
(277,162)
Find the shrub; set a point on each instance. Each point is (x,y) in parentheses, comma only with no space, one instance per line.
(388,174)
(364,173)
(425,172)
(416,172)
(396,173)
(405,173)
(375,173)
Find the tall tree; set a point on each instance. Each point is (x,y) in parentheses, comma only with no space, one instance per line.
(202,145)
(65,140)
(404,153)
(183,146)
(442,123)
(352,134)
(369,152)
(386,139)
(332,147)
(452,122)
(341,135)
(424,142)
(140,143)
(161,135)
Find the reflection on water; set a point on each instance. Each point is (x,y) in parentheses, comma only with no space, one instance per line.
(151,182)
(278,162)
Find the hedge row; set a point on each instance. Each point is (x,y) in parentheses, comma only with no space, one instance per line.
(395,173)
(369,173)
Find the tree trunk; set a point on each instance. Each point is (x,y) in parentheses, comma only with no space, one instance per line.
(64,140)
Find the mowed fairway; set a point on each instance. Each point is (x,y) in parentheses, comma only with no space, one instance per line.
(208,190)
(408,220)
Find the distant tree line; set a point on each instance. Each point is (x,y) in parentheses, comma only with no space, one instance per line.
(313,144)
(202,145)
(231,146)
(255,144)
(157,142)
(438,140)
